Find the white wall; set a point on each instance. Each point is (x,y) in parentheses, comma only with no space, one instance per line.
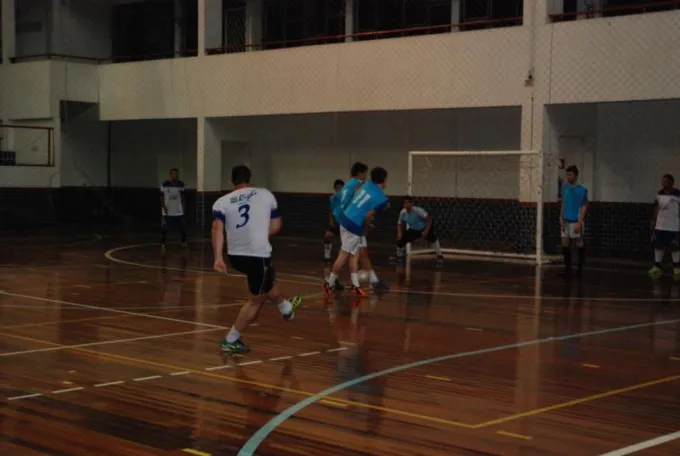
(483,68)
(32,27)
(25,91)
(592,60)
(627,146)
(307,153)
(143,152)
(84,154)
(11,176)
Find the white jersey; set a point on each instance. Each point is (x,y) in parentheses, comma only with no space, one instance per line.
(668,217)
(246,214)
(172,196)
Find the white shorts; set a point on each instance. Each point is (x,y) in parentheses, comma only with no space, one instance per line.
(569,232)
(350,242)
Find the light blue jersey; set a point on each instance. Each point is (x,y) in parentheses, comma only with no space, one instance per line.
(574,197)
(415,220)
(341,199)
(369,197)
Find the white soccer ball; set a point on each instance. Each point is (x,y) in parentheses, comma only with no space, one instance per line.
(364,276)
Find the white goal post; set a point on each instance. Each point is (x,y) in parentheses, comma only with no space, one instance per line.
(483,203)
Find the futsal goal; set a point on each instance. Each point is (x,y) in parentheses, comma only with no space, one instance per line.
(487,204)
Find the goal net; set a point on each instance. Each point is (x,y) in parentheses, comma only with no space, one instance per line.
(484,203)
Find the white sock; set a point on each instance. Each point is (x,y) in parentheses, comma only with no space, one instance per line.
(374,278)
(355,279)
(676,257)
(437,248)
(401,251)
(332,278)
(658,256)
(285,307)
(327,249)
(233,335)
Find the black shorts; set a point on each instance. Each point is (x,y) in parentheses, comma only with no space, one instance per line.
(665,239)
(414,235)
(259,272)
(173,221)
(334,229)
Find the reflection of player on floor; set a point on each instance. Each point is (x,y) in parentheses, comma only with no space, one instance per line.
(249,216)
(415,223)
(353,219)
(572,217)
(333,229)
(666,226)
(172,205)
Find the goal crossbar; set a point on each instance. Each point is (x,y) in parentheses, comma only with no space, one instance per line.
(534,230)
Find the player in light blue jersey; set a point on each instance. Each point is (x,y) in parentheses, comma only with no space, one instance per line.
(572,218)
(368,200)
(342,198)
(415,223)
(333,229)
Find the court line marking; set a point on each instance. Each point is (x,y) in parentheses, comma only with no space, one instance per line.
(68,390)
(435,377)
(199,372)
(195,452)
(25,396)
(109,317)
(106,309)
(582,400)
(591,366)
(144,379)
(102,385)
(675,358)
(95,344)
(109,256)
(513,435)
(249,448)
(644,445)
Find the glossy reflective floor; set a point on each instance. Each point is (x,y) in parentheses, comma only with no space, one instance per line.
(110,348)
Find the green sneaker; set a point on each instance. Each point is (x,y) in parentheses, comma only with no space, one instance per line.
(295,303)
(655,272)
(234,347)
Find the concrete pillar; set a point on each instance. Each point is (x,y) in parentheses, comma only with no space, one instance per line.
(349,21)
(455,14)
(213,24)
(536,12)
(8,31)
(208,167)
(254,14)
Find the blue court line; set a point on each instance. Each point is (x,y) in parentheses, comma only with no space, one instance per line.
(254,442)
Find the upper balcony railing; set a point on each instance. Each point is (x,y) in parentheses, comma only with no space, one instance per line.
(618,10)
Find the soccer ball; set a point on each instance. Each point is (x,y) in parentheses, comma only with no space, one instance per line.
(363,276)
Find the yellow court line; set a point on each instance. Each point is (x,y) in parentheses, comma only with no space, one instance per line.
(675,358)
(582,400)
(333,403)
(203,373)
(196,452)
(592,366)
(434,377)
(512,434)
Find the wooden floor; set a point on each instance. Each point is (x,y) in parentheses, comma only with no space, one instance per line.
(109,348)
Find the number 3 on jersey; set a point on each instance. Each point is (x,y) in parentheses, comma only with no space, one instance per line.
(244,211)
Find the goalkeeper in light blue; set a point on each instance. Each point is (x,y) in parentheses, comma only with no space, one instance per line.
(415,223)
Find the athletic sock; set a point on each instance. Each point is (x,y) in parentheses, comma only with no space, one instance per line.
(374,277)
(355,280)
(437,248)
(285,307)
(566,252)
(332,278)
(676,258)
(581,257)
(327,248)
(233,335)
(658,256)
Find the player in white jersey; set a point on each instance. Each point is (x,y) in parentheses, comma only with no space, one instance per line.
(172,207)
(249,216)
(666,226)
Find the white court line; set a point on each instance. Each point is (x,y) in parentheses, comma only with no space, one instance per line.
(248,363)
(336,349)
(109,256)
(175,374)
(280,358)
(214,368)
(68,390)
(533,296)
(644,445)
(106,309)
(102,385)
(310,353)
(25,396)
(152,308)
(143,379)
(95,344)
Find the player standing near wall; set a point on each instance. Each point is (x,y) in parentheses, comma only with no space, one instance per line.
(415,223)
(172,206)
(572,218)
(666,227)
(333,229)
